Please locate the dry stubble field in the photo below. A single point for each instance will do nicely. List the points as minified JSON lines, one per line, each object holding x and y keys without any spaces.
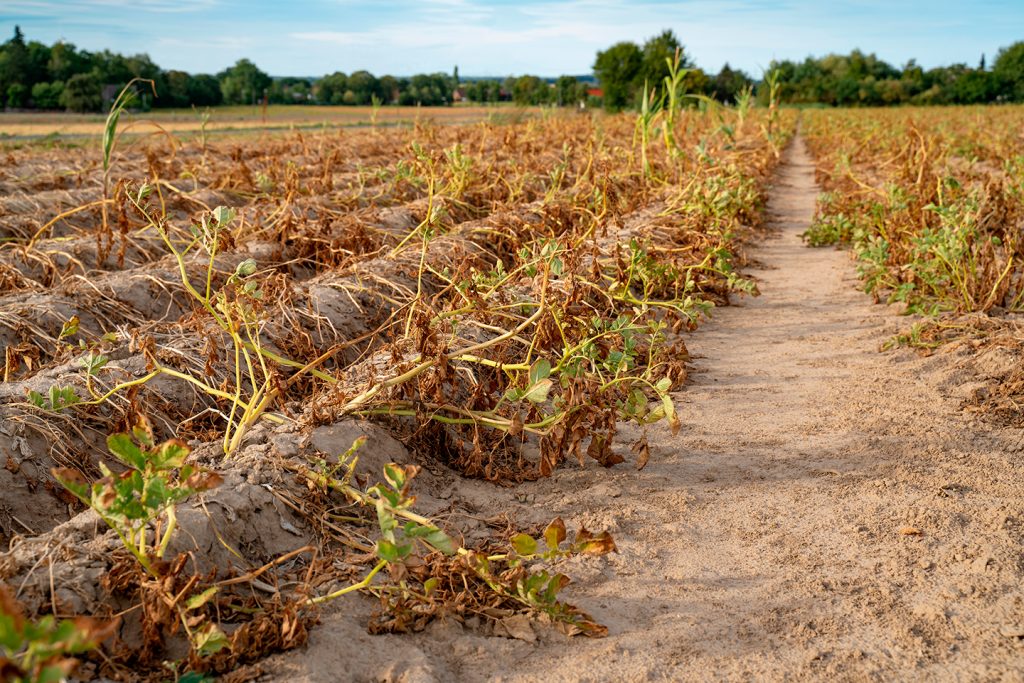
{"x":220,"y":345}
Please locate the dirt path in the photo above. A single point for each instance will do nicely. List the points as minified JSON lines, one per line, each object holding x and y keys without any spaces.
{"x":826,"y":511}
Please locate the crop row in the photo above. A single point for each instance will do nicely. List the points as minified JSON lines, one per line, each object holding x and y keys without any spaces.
{"x":931,"y":201}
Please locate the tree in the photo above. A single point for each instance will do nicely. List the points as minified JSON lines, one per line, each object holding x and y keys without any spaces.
{"x":1008,"y":69}
{"x":567,"y":91}
{"x":175,"y":90}
{"x":364,"y":86}
{"x":331,"y":89}
{"x":657,"y":52}
{"x":82,"y":93}
{"x":530,"y":90}
{"x":47,"y":95}
{"x":729,"y":83}
{"x":14,"y":65}
{"x":389,"y":89}
{"x":66,"y":61}
{"x":243,"y":83}
{"x":204,"y":91}
{"x":17,"y":95}
{"x":617,"y":69}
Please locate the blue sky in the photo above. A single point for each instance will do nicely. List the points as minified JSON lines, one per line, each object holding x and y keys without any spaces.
{"x":502,"y":37}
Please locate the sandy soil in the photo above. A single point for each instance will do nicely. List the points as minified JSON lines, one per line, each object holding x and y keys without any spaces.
{"x":827,"y":511}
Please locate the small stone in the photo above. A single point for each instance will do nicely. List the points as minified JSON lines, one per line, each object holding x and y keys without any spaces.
{"x":1012,"y":630}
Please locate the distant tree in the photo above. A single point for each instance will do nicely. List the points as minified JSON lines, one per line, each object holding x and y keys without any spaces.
{"x":1008,"y":69}
{"x":175,"y":92}
{"x":66,"y":61}
{"x":289,"y":90}
{"x":204,"y":91}
{"x":331,"y":88}
{"x":14,"y":66}
{"x":389,"y":90}
{"x":47,"y":95}
{"x":17,"y":95}
{"x":656,"y":53}
{"x":567,"y":91}
{"x":82,"y":93}
{"x":243,"y":83}
{"x":488,"y":90}
{"x":428,"y":90}
{"x":37,"y":63}
{"x":363,"y":86}
{"x":530,"y":90}
{"x":617,"y":69}
{"x":729,"y":83}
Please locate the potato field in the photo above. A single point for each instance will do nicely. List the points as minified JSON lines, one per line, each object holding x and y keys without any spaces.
{"x":225,"y":360}
{"x":700,"y":391}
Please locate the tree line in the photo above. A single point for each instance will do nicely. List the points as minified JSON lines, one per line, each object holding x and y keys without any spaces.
{"x":856,"y":79}
{"x":60,"y":76}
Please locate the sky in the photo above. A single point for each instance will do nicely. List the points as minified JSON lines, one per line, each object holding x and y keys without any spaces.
{"x":511,"y":37}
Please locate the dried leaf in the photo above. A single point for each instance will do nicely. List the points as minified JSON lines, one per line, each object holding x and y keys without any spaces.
{"x":642,"y":450}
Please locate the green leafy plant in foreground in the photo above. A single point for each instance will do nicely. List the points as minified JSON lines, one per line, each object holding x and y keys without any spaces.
{"x":420,"y":588}
{"x":146,"y":493}
{"x":43,"y":651}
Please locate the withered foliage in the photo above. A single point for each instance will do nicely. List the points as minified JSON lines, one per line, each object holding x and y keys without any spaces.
{"x":501,"y":298}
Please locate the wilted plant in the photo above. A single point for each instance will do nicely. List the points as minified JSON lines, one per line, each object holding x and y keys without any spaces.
{"x":43,"y":651}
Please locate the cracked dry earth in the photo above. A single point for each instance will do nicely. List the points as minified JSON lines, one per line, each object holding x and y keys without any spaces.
{"x":826,"y":512}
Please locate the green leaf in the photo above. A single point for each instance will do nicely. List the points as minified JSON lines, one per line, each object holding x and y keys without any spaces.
{"x":670,"y":413}
{"x":73,"y":481}
{"x":170,"y":454}
{"x":441,"y":541}
{"x":122,"y":446}
{"x":541,"y":369}
{"x":69,"y":328}
{"x":430,"y":585}
{"x":524,"y":544}
{"x":246,"y":268}
{"x":197,"y":601}
{"x":513,"y":394}
{"x":210,"y":640}
{"x":53,"y":673}
{"x":385,"y":519}
{"x":392,"y":552}
{"x":538,"y":393}
{"x":142,"y":430}
{"x":663,"y":385}
{"x":195,"y":677}
{"x":395,"y":476}
{"x":223,"y":215}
